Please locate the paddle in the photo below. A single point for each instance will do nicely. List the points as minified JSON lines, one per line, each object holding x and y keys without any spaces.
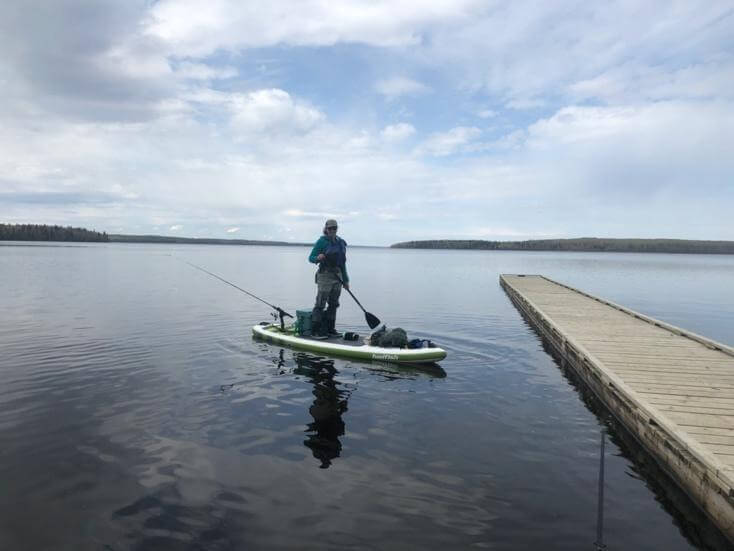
{"x":371,"y":319}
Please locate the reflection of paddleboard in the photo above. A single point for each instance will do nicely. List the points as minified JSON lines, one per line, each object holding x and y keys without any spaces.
{"x":347,"y":349}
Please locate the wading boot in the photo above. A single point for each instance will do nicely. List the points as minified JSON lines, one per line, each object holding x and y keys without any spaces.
{"x":319,"y":326}
{"x":321,"y":333}
{"x":333,"y":333}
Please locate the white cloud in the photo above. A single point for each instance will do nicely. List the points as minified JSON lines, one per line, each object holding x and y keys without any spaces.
{"x":499,"y":233}
{"x":387,"y":216}
{"x":296,"y":213}
{"x":523,"y":104}
{"x":272,"y":110}
{"x":582,"y":125}
{"x":487,"y":114}
{"x":202,"y":71}
{"x":229,"y":24}
{"x":232,"y":230}
{"x":400,"y":86}
{"x":446,"y":143}
{"x":523,"y":56}
{"x":668,"y":133}
{"x":176,"y":227}
{"x":397,"y":132}
{"x":634,"y":83}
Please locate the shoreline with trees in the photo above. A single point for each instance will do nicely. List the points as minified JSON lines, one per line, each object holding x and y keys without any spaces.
{"x":583,"y":244}
{"x":43,"y":232}
{"x":120,"y":238}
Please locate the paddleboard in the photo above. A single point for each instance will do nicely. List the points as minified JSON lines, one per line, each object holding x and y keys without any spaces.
{"x":337,"y":346}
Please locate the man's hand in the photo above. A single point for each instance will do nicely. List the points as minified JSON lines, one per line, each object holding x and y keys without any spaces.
{"x":321,"y":257}
{"x":346,"y":286}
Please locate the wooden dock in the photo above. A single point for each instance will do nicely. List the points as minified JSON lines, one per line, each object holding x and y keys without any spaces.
{"x":672,"y":389}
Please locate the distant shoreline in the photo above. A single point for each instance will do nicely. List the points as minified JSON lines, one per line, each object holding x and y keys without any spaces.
{"x":40,"y":232}
{"x":120,"y":238}
{"x":45,"y":232}
{"x":583,"y":244}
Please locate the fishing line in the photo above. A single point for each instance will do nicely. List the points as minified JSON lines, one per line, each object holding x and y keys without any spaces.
{"x":280,"y":311}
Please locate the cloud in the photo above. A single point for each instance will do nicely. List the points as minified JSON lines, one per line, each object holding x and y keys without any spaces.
{"x":233,"y":25}
{"x":676,"y":131}
{"x":176,"y":227}
{"x":59,"y":198}
{"x":500,"y":233}
{"x":232,"y":230}
{"x":486,"y":114}
{"x":397,"y":132}
{"x":387,"y":216}
{"x":272,"y":110}
{"x":447,"y":143}
{"x":523,"y":104}
{"x":202,"y":71}
{"x":586,"y":125}
{"x":400,"y":86}
{"x":523,"y":57}
{"x":631,"y":82}
{"x":296,"y":213}
{"x":81,"y":60}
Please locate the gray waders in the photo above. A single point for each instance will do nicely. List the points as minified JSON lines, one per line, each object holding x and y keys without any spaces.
{"x":323,"y":323}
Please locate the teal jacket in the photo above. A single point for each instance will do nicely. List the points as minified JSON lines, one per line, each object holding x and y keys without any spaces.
{"x":321,"y":246}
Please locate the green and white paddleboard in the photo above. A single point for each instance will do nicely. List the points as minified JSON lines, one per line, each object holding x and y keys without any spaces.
{"x":358,"y":350}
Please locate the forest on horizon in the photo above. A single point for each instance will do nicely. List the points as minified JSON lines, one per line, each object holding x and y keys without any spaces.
{"x":43,"y":232}
{"x":583,"y":244}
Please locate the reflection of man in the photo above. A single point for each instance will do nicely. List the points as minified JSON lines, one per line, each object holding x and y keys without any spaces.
{"x":327,"y":408}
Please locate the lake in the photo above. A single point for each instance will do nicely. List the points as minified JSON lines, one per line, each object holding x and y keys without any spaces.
{"x":137,"y":412}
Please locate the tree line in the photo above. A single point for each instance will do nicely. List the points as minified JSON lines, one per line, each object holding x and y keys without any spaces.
{"x":121,"y":238}
{"x":42,"y":232}
{"x":584,"y":244}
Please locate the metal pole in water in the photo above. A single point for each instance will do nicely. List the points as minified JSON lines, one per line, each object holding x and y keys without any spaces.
{"x":599,"y":543}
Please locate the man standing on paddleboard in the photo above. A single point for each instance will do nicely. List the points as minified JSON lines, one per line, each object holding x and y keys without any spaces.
{"x":330,"y":253}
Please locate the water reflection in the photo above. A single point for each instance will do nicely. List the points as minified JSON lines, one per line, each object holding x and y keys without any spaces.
{"x":330,"y":402}
{"x":331,"y":397}
{"x":395,"y":372}
{"x":599,"y":543}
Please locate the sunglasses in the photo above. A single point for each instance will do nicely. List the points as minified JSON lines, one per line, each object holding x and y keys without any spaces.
{"x":331,"y":228}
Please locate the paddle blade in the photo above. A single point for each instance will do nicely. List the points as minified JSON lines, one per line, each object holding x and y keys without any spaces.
{"x":372,"y":320}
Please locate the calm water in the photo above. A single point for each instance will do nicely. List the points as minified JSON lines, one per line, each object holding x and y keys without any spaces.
{"x":136,"y":411}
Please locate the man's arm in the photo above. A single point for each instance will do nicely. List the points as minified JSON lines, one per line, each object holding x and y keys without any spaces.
{"x":318,"y":248}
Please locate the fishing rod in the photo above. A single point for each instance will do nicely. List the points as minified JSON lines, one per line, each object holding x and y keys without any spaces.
{"x":278,"y":309}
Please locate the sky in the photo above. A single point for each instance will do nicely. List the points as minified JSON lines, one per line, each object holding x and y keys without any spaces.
{"x":405,"y":120}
